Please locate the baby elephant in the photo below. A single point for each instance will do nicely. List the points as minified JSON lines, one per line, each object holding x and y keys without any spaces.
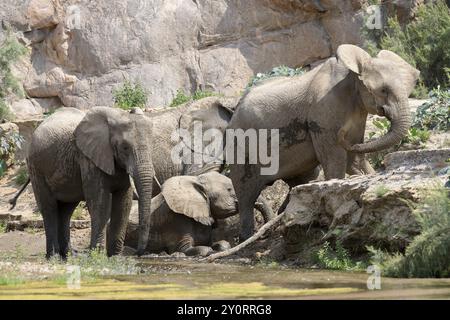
{"x":185,"y":210}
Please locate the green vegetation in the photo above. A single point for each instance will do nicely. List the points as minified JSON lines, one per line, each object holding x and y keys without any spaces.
{"x":280,"y":71}
{"x":78,"y":213}
{"x":9,"y":143}
{"x":336,"y":258}
{"x":130,"y":95}
{"x":415,"y":137}
{"x":381,"y":190}
{"x":96,"y":263}
{"x":10,"y":52}
{"x":424,"y":43}
{"x":428,"y":255}
{"x":181,"y":97}
{"x":2,"y":226}
{"x":434,"y":114}
{"x":21,"y":176}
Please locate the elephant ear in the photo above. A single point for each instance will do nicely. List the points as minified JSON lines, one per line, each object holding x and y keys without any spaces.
{"x":92,"y":137}
{"x":185,"y":195}
{"x":352,"y":57}
{"x":406,"y":72}
{"x":214,"y":114}
{"x":209,"y":113}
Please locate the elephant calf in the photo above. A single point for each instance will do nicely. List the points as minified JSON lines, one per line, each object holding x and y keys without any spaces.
{"x":185,"y":210}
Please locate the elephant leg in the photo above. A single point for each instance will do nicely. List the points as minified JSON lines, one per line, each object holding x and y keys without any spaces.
{"x":331,"y":156}
{"x":264,"y":207}
{"x":65,"y":211}
{"x":221,"y":245}
{"x":302,"y":179}
{"x":357,"y":164}
{"x":98,"y":200}
{"x":120,"y":211}
{"x":48,"y":206}
{"x":248,"y":185}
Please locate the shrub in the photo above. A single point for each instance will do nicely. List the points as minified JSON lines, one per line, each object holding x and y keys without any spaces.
{"x":280,"y":71}
{"x":21,"y":176}
{"x":434,"y":114}
{"x":428,"y":255}
{"x":181,"y":97}
{"x":381,"y":190}
{"x":130,"y":95}
{"x":415,"y":137}
{"x":424,"y":43}
{"x":337,"y":258}
{"x":2,"y":226}
{"x":97,"y":263}
{"x":10,"y":52}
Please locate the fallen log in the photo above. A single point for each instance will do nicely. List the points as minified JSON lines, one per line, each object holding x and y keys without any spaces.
{"x":244,"y":244}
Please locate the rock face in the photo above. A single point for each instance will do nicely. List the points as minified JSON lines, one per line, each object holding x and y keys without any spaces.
{"x":364,"y":210}
{"x":82,"y":49}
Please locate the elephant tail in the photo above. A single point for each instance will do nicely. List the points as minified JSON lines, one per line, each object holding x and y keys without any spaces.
{"x":13,"y":201}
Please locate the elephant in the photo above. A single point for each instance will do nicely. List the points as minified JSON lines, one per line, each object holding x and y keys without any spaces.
{"x":184,"y":212}
{"x":211,"y":112}
{"x":320,"y":117}
{"x":89,"y":156}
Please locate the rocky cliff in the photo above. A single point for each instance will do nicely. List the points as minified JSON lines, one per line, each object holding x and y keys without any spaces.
{"x":80,"y":50}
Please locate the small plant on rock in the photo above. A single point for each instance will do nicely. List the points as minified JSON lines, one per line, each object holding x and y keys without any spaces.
{"x":280,"y":71}
{"x":181,"y":97}
{"x":130,"y":95}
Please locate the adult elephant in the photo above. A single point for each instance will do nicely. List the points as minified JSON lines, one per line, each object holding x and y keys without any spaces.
{"x":212,"y":113}
{"x":75,"y":156}
{"x":321,"y":119}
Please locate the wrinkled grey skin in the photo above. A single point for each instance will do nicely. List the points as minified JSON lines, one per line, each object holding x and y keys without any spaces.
{"x":321,"y":117}
{"x":184,"y":212}
{"x":76,"y":156}
{"x":212,"y":112}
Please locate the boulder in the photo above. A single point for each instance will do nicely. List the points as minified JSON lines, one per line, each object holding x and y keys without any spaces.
{"x":83,"y":50}
{"x":364,"y":210}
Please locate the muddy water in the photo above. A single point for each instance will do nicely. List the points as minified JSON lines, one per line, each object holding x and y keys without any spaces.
{"x":193,"y":280}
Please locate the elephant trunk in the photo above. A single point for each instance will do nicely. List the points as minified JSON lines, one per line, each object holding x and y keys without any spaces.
{"x":399,"y":114}
{"x":143,"y":175}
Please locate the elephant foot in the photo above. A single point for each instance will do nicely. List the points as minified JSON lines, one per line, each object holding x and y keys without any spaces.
{"x":244,"y":236}
{"x":199,"y":251}
{"x":221,"y":245}
{"x":178,"y":255}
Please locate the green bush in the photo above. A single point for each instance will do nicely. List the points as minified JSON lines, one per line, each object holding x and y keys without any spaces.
{"x":336,"y":258}
{"x":428,"y":255}
{"x":424,"y":43}
{"x":415,"y":138}
{"x":10,"y":52}
{"x":434,"y":114}
{"x":280,"y":71}
{"x":21,"y":176}
{"x":181,"y":97}
{"x":130,"y":95}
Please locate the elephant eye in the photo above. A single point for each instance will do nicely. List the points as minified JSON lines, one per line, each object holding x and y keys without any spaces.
{"x":384,"y":91}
